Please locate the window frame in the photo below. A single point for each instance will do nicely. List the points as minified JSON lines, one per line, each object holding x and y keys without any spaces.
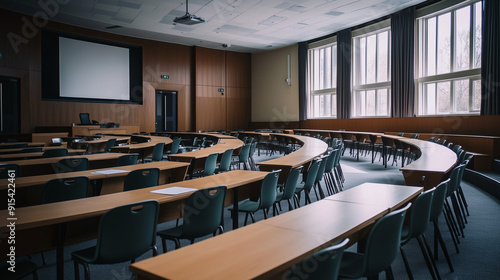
{"x":422,"y":52}
{"x":332,"y":91}
{"x":357,"y":87}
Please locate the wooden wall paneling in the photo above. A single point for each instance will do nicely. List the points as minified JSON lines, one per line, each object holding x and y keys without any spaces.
{"x":238,"y":69}
{"x":238,"y":108}
{"x":210,"y":67}
{"x":210,"y":108}
{"x":210,"y":77}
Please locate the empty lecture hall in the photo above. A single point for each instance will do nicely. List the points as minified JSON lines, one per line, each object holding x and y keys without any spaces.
{"x":235,"y":140}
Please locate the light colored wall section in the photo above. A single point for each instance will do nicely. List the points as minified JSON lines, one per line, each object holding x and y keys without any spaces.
{"x":273,"y":100}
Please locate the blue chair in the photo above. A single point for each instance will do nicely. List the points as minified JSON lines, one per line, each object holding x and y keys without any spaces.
{"x":141,"y":178}
{"x":322,"y":265}
{"x":266,"y":199}
{"x":308,"y":184}
{"x":157,"y":153}
{"x":128,"y":159}
{"x":59,"y":152}
{"x":199,"y":219}
{"x":71,"y":165}
{"x":292,"y":180}
{"x":381,"y":249}
{"x":415,"y":228}
{"x":125,"y":233}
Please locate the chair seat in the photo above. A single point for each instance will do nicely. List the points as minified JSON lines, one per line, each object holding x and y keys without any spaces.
{"x":87,"y":255}
{"x":405,"y":234}
{"x":349,"y":266}
{"x":300,"y":187}
{"x":248,"y":206}
{"x":175,"y":232}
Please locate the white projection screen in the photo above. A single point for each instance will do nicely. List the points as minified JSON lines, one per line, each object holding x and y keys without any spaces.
{"x":93,"y":71}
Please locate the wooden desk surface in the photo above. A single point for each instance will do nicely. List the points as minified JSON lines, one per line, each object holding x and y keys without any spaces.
{"x":21,"y":156}
{"x":49,"y":214}
{"x":30,"y":144}
{"x":266,"y":249}
{"x":386,"y":195}
{"x":39,"y":166}
{"x":221,"y":147}
{"x":17,"y":150}
{"x":111,"y":182}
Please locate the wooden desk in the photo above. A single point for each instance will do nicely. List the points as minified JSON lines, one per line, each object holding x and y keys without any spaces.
{"x":98,"y":145}
{"x":40,"y":166}
{"x":29,"y":189}
{"x":197,"y":158}
{"x":64,"y":223}
{"x":17,"y":150}
{"x":389,"y":196}
{"x":30,"y":144}
{"x":21,"y":156}
{"x":435,"y":162}
{"x":143,"y":149}
{"x":311,"y":148}
{"x":266,"y":249}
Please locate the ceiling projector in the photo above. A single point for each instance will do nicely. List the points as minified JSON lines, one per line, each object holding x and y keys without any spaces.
{"x":189,"y":19}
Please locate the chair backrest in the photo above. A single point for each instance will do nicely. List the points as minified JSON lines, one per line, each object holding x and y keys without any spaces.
{"x":71,"y":165}
{"x":330,"y":161}
{"x":31,"y":150}
{"x":268,"y":189}
{"x":244,"y":153}
{"x":6,"y":167}
{"x":63,"y":189}
{"x":175,"y":146}
{"x":419,"y":215}
{"x":456,"y":148}
{"x":311,"y":174}
{"x":253,"y":145}
{"x":383,"y":242}
{"x":141,"y":178}
{"x":158,"y":151}
{"x":415,"y":136}
{"x":111,"y":143}
{"x":321,"y":265}
{"x":292,"y":180}
{"x":401,"y":134}
{"x":126,"y":232}
{"x":210,"y":164}
{"x":203,"y":212}
{"x":321,"y":170}
{"x":438,"y":199}
{"x":85,"y":118}
{"x":225,"y":160}
{"x":60,"y":152}
{"x":128,"y":159}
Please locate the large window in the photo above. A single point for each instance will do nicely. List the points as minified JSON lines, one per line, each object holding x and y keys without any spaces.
{"x":449,"y":62}
{"x":371,"y":74}
{"x":323,"y":81}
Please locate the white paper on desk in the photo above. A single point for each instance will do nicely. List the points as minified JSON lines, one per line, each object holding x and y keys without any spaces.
{"x":174,"y":190}
{"x":109,"y":171}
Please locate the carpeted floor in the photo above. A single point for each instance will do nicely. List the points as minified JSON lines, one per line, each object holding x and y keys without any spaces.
{"x":479,"y":256}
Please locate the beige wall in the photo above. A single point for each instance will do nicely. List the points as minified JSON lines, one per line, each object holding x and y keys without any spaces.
{"x":273,"y":100}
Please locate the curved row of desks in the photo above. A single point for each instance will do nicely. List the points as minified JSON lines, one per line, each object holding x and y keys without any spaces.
{"x":435,"y":161}
{"x":68,"y":222}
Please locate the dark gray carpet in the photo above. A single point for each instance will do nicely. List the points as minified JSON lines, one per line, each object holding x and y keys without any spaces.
{"x":479,"y":256}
